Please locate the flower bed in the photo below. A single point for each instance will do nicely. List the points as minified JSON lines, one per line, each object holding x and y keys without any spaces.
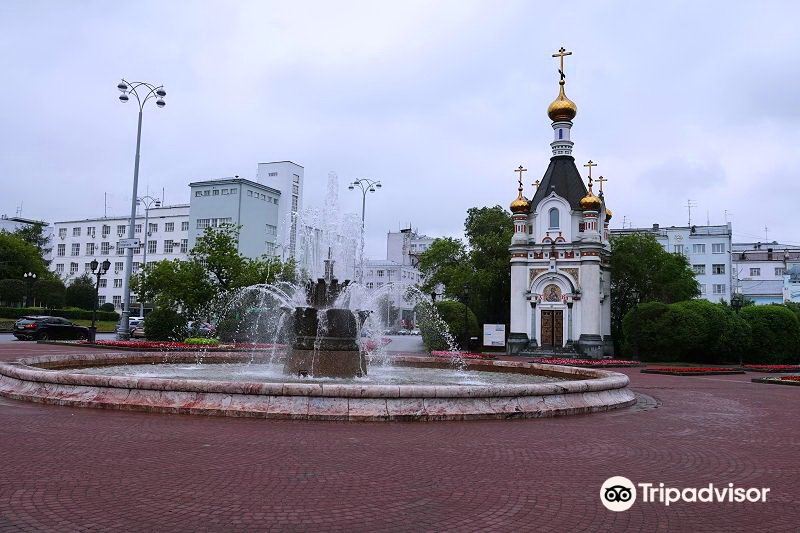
{"x":462,"y":355}
{"x":586,"y":363}
{"x":693,"y":370}
{"x":371,"y":345}
{"x":772,"y":368}
{"x":174,"y":346}
{"x":782,"y":380}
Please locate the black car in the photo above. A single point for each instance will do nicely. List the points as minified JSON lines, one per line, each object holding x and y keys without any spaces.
{"x":42,"y":328}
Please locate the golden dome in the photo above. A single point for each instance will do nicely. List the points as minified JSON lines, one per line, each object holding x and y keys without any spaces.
{"x":590,"y":202}
{"x":609,"y":214}
{"x":521,"y":204}
{"x":562,"y":109}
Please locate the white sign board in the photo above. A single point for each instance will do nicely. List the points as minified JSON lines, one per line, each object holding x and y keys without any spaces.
{"x":494,"y":334}
{"x":128,"y":243}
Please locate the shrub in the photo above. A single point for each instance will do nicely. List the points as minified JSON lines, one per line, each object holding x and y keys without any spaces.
{"x":73,"y":314}
{"x":80,"y":293}
{"x":201,"y":341}
{"x":165,"y":325}
{"x":108,"y":307}
{"x":50,"y":293}
{"x":775,"y":333}
{"x":443,"y":322}
{"x":12,"y":291}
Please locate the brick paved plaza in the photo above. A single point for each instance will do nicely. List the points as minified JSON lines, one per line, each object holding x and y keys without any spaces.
{"x":67,"y":468}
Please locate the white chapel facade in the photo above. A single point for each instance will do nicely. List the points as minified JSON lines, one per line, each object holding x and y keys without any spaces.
{"x":560,"y":277}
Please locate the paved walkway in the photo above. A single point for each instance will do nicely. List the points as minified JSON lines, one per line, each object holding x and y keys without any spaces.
{"x":66,"y":469}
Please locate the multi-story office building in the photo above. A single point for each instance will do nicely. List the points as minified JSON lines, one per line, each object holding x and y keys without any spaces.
{"x":761,"y":271}
{"x":12,"y":224}
{"x":394,"y":279}
{"x":404,"y":246}
{"x":253,"y":206}
{"x":288,"y":178}
{"x":708,"y":249}
{"x":75,"y":243}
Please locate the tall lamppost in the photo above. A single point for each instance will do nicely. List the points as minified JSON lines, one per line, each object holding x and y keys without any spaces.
{"x":466,"y":318}
{"x":737,"y":302}
{"x":147,"y":202}
{"x":98,"y":270}
{"x":636,"y":297}
{"x":148,"y":91}
{"x":30,"y":277}
{"x":366,"y":185}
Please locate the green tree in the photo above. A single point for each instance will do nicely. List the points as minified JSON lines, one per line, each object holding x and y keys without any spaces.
{"x":642,"y":271}
{"x":176,"y":285}
{"x":442,"y":324}
{"x":34,"y":234}
{"x":18,"y":257}
{"x":49,"y":293}
{"x":775,"y":333}
{"x":475,"y":272}
{"x":165,"y":325}
{"x":12,"y":291}
{"x":80,"y":293}
{"x":386,"y":308}
{"x":217,"y":249}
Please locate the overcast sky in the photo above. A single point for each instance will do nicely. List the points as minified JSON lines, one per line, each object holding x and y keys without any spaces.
{"x":439,"y":100}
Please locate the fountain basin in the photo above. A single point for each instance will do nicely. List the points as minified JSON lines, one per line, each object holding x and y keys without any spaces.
{"x":51,"y":379}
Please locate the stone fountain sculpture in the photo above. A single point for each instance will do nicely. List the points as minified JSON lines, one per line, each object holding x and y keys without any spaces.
{"x":326,"y":338}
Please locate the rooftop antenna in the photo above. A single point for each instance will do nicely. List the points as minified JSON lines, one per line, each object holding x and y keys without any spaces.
{"x":708,"y":218}
{"x":624,"y":220}
{"x":689,"y":205}
{"x":105,"y":205}
{"x":162,"y":196}
{"x":19,"y":209}
{"x":727,"y":216}
{"x":766,"y":234}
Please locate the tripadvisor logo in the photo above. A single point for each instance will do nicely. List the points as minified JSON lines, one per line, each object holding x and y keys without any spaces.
{"x":619,"y":494}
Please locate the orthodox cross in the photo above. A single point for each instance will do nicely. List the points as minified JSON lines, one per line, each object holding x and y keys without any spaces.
{"x":520,"y":170}
{"x":590,"y":164}
{"x":536,"y":184}
{"x":601,"y":180}
{"x":560,"y":55}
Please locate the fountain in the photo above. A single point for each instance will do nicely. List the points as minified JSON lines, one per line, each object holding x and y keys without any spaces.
{"x":325,"y":337}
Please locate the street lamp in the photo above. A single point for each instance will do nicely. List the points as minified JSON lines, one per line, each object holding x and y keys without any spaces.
{"x":636,"y":296}
{"x":466,"y":319}
{"x":737,"y":302}
{"x":30,"y":277}
{"x":366,"y":185}
{"x":158,"y":93}
{"x":98,"y":270}
{"x":147,"y":202}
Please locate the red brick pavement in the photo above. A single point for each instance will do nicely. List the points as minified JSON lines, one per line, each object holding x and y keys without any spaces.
{"x":67,"y":469}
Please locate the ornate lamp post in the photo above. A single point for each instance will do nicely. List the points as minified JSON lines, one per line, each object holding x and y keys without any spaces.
{"x":147,"y":91}
{"x":147,"y":202}
{"x":30,"y":277}
{"x":636,"y":297}
{"x":737,"y":302}
{"x":366,"y":185}
{"x":98,"y":270}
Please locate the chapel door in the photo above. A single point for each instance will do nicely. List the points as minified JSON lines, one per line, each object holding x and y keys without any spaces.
{"x":552,"y":333}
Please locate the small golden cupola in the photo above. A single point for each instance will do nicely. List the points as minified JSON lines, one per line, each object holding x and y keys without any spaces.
{"x":561,"y":112}
{"x":562,"y":109}
{"x":609,"y":214}
{"x":520,"y":204}
{"x":590,"y":202}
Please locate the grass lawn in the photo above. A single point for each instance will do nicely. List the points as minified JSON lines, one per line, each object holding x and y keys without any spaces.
{"x":103,"y":326}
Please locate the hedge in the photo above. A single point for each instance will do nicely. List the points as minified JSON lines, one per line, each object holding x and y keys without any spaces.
{"x":75,"y":314}
{"x":442,"y":324}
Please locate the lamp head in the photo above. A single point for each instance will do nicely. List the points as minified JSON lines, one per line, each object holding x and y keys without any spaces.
{"x":122,"y":86}
{"x":94,"y":264}
{"x":106,"y":265}
{"x":378,"y":185}
{"x":160,"y":102}
{"x":161,"y":92}
{"x":350,"y":187}
{"x":123,"y":98}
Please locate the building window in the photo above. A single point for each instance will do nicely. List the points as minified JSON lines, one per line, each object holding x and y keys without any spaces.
{"x":294,"y":202}
{"x":719,"y":288}
{"x":273,"y":174}
{"x":136,"y":265}
{"x":698,"y":248}
{"x":780,"y":271}
{"x":117,"y":301}
{"x":203,"y":223}
{"x":755,"y":271}
{"x":554,"y":222}
{"x":198,"y":194}
{"x":380,"y":284}
{"x":295,"y":189}
{"x":272,"y":230}
{"x":234,"y":191}
{"x":224,"y":192}
{"x":215,"y":192}
{"x":76,"y":232}
{"x":169,"y":226}
{"x":62,"y":232}
{"x":62,"y":250}
{"x":702,"y":288}
{"x":103,"y":283}
{"x":120,"y":249}
{"x":152,"y":228}
{"x":151,"y":247}
{"x":718,"y":248}
{"x":717,"y":269}
{"x":87,"y":267}
{"x":370,"y":285}
{"x":699,"y":270}
{"x":295,"y":178}
{"x":249,"y":192}
{"x":677,"y":249}
{"x":118,"y":266}
{"x":168,"y":246}
{"x":206,"y":192}
{"x":184,"y":246}
{"x":59,"y":268}
{"x":73,"y":268}
{"x":120,"y":230}
{"x":90,"y":232}
{"x":101,"y":299}
{"x":185,"y":226}
{"x":137,"y":228}
{"x":106,"y":230}
{"x":380,"y":273}
{"x":117,"y":283}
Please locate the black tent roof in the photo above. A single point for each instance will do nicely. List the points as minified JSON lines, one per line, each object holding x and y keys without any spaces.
{"x":563,"y":178}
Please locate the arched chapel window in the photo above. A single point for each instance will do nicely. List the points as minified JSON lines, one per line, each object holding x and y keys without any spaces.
{"x":554,"y":218}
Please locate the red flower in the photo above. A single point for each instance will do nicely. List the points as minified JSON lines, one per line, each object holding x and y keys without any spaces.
{"x":568,"y":361}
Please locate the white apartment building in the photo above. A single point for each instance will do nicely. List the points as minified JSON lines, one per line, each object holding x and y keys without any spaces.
{"x":287,"y":177}
{"x":75,"y":243}
{"x":253,"y":206}
{"x":761,"y":271}
{"x":12,"y":224}
{"x":708,"y":249}
{"x":404,"y":246}
{"x":379,"y":273}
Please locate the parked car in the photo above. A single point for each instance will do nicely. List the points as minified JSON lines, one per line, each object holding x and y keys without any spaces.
{"x":201,"y":329}
{"x":136,"y":327}
{"x":42,"y":328}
